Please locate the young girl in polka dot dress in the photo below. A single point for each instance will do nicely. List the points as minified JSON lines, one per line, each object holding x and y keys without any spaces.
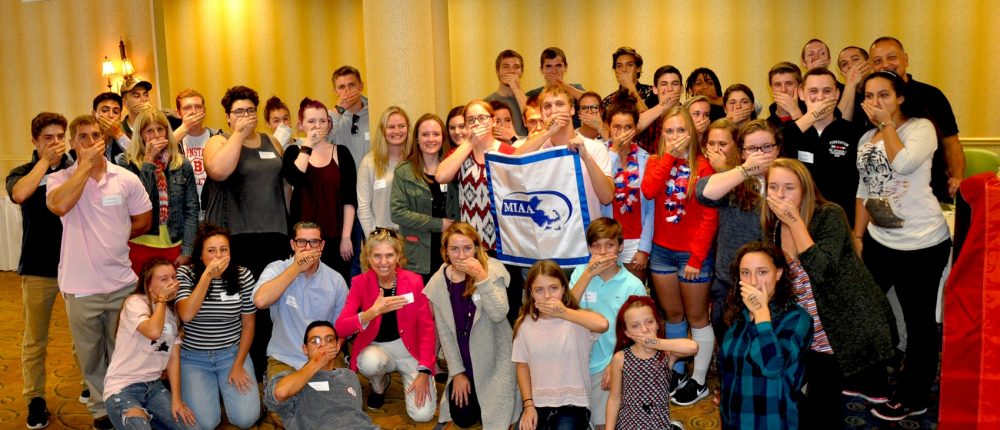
{"x":640,"y":369}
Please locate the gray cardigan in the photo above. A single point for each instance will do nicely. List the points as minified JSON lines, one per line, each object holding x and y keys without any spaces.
{"x":853,"y":309}
{"x":490,"y":344}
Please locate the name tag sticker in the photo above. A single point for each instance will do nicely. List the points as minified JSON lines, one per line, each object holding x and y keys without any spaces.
{"x":806,"y":157}
{"x":292,"y":302}
{"x":444,"y":188}
{"x":229,"y":298}
{"x":267,"y":155}
{"x":320,"y":385}
{"x":368,"y":136}
{"x":45,"y":180}
{"x":380,"y":184}
{"x":408,"y":297}
{"x":590,"y":296}
{"x":475,"y":297}
{"x":115,"y":200}
{"x":168,"y":329}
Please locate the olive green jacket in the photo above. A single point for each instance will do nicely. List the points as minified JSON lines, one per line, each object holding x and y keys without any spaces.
{"x":410,"y":206}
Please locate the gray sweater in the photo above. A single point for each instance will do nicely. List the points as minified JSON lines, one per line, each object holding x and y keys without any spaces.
{"x":736,"y":228}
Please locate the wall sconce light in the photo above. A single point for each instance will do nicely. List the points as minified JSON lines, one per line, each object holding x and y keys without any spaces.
{"x":107,"y":70}
{"x":127,"y":68}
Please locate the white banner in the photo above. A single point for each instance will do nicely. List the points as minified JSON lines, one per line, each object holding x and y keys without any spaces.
{"x":539,"y":207}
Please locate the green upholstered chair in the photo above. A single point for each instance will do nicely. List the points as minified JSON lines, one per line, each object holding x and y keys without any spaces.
{"x":980,"y":160}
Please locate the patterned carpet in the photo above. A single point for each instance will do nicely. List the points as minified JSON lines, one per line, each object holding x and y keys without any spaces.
{"x":63,"y":385}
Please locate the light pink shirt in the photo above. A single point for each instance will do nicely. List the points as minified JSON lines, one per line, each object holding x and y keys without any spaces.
{"x":94,"y":254}
{"x":557,"y":353}
{"x":136,"y":358}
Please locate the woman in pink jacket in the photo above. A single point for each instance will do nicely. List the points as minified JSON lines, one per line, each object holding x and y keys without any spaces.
{"x":390,"y":315}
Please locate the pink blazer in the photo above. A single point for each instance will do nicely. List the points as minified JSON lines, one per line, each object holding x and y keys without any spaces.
{"x":415,"y":320}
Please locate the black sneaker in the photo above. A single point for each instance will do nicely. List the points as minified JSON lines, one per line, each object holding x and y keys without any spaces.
{"x":376,"y":400}
{"x":690,"y":393}
{"x":38,"y":414}
{"x":103,"y":423}
{"x":677,"y":380}
{"x":895,"y":411}
{"x":84,"y":396}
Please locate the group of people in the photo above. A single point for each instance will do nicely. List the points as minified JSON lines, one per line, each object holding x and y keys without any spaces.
{"x":237,"y":256}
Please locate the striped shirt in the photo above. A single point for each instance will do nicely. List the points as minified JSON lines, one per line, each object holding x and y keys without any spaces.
{"x":802,"y":288}
{"x":762,"y":370}
{"x":217,"y":324}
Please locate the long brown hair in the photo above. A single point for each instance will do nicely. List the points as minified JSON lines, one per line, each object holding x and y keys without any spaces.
{"x":142,"y":286}
{"x":416,"y":156}
{"x":467,"y":230}
{"x":811,"y":197}
{"x":543,"y":268}
{"x":783,"y":298}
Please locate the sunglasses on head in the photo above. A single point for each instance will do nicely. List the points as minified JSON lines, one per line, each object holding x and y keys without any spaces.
{"x":354,"y":123}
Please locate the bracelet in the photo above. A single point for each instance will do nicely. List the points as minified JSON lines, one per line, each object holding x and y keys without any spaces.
{"x":882,"y":124}
{"x":527,"y":400}
{"x":306,"y":150}
{"x":743,"y":171}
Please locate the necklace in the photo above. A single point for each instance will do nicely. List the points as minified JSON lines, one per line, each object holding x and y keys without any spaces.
{"x":392,"y":291}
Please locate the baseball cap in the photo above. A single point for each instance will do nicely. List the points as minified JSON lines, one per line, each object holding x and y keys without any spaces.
{"x":133,"y":82}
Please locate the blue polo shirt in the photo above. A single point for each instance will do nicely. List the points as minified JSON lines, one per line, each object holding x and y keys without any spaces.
{"x":606,"y":298}
{"x":309,"y":298}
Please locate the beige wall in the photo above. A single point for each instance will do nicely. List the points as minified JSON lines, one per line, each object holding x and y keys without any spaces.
{"x":431,"y":54}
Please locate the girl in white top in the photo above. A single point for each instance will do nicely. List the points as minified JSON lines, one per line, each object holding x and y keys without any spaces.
{"x":392,"y":144}
{"x":902,"y":236}
{"x":146,"y":344}
{"x":552,"y":342}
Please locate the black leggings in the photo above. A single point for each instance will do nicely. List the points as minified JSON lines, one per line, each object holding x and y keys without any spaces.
{"x":916,"y":276}
{"x":468,"y":415}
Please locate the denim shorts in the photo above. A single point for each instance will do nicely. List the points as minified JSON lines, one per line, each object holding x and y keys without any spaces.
{"x":663,"y":261}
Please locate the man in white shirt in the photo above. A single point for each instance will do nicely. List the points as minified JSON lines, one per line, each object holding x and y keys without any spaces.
{"x":192,"y":134}
{"x":557,"y":113}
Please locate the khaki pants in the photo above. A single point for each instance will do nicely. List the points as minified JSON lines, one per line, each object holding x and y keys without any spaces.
{"x":38,"y":294}
{"x":93,"y":320}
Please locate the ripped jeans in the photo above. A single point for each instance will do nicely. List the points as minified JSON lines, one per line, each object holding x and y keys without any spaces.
{"x":152,"y":397}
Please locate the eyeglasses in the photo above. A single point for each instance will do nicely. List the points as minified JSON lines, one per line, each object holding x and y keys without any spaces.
{"x":766,"y":148}
{"x":301,"y":243}
{"x":322,"y":340}
{"x":245,"y":112}
{"x":590,"y":108}
{"x":354,"y":123}
{"x":382,"y":233}
{"x":469,"y":120}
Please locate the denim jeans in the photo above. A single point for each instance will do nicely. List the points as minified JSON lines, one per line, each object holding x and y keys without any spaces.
{"x":205,"y":374}
{"x":563,"y":418}
{"x":152,"y":397}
